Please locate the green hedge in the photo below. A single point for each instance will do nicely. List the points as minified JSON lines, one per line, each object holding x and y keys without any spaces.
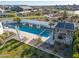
{"x":76,"y":45}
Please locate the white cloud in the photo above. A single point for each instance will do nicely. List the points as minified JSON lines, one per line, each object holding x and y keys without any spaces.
{"x":40,"y":2}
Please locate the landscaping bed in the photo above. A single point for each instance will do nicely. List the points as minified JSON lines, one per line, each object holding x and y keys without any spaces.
{"x":4,"y":36}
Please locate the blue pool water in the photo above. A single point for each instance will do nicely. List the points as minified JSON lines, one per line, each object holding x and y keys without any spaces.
{"x":33,"y":30}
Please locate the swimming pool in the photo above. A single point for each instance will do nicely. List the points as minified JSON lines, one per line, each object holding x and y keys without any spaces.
{"x":30,"y":29}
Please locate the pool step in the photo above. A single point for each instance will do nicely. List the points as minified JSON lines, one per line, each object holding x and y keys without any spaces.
{"x":42,"y":32}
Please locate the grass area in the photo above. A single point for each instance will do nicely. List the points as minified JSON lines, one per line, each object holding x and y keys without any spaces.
{"x":36,"y":17}
{"x":7,"y":16}
{"x":28,"y":17}
{"x":16,"y":49}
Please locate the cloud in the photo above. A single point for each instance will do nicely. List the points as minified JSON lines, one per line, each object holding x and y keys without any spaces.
{"x":58,"y":2}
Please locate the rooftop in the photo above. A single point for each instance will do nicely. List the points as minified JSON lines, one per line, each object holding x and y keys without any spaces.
{"x":65,"y":25}
{"x":26,"y":7}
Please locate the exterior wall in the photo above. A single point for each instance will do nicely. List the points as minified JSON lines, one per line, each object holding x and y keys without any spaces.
{"x":68,"y":36}
{"x":51,"y":39}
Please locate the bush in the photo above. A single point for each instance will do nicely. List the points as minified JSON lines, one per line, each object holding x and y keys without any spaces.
{"x":76,"y":45}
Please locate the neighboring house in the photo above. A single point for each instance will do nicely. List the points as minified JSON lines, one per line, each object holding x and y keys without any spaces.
{"x":1,"y":10}
{"x":5,"y":8}
{"x":16,"y":8}
{"x":26,"y":8}
{"x":1,"y":28}
{"x":64,"y":33}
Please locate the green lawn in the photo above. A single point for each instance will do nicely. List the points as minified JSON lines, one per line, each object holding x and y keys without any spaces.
{"x":28,"y":17}
{"x":36,"y":17}
{"x":16,"y":49}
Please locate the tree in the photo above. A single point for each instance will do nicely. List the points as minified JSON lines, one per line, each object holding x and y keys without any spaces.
{"x":76,"y":45}
{"x":38,"y":40}
{"x":73,"y":18}
{"x":50,"y":22}
{"x":18,"y":20}
{"x":60,"y":18}
{"x":76,"y":55}
{"x":64,"y":14}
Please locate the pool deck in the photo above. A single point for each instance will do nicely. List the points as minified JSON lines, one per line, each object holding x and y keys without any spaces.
{"x":26,"y":34}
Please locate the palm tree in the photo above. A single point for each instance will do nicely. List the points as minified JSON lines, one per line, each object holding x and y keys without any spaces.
{"x":60,"y":19}
{"x":50,"y":22}
{"x":73,"y":18}
{"x":76,"y":16}
{"x":18,"y":20}
{"x":38,"y":40}
{"x":64,"y":14}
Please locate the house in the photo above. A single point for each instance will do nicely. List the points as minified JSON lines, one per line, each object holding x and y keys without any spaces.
{"x":26,"y":8}
{"x":5,"y":8}
{"x":64,"y":32}
{"x":1,"y":10}
{"x":1,"y":28}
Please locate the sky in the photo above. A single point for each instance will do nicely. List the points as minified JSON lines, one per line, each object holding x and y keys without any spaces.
{"x":39,"y":2}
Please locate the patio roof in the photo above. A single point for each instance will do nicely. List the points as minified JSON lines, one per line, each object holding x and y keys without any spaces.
{"x":65,"y":25}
